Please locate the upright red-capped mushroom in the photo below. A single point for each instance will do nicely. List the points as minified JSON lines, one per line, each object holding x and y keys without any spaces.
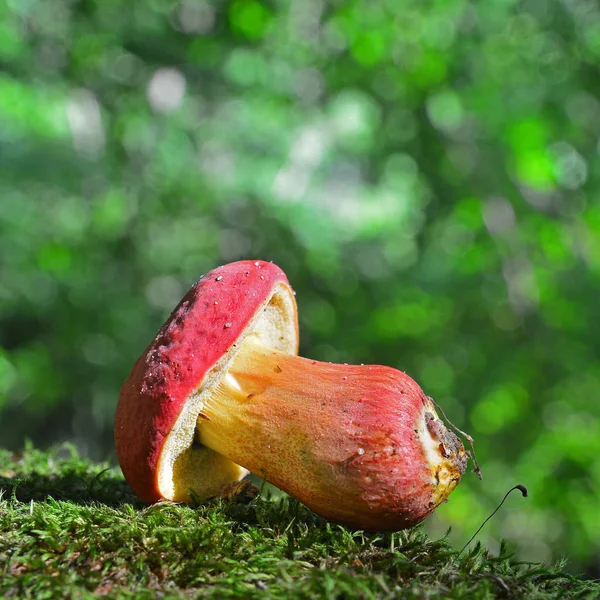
{"x":220,"y":391}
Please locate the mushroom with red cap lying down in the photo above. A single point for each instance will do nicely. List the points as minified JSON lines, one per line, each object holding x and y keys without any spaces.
{"x":220,"y":392}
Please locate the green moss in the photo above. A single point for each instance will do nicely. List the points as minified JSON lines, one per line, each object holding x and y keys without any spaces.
{"x":70,"y":528}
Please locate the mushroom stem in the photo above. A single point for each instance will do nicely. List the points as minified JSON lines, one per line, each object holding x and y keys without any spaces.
{"x":356,"y":444}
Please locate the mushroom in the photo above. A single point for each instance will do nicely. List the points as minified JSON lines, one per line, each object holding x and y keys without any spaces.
{"x":221,"y":391}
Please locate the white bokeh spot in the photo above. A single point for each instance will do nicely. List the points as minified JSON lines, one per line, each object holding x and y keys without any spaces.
{"x":166,"y":90}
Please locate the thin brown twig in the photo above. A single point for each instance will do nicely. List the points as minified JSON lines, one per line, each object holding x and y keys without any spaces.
{"x":476,"y":467}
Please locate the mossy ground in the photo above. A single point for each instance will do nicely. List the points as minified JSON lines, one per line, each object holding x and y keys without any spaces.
{"x":71,"y":528}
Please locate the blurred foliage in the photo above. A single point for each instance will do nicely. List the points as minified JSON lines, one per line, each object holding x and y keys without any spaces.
{"x":426,"y":173}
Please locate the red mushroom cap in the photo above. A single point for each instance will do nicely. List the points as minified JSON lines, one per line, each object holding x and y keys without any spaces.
{"x":161,"y":399}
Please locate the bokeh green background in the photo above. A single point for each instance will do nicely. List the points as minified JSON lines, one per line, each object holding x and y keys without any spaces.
{"x":427,"y":174}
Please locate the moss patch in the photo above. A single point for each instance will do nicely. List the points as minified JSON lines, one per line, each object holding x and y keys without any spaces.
{"x":71,"y":528}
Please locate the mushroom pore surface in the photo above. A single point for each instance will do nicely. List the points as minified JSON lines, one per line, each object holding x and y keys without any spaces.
{"x":187,"y":467}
